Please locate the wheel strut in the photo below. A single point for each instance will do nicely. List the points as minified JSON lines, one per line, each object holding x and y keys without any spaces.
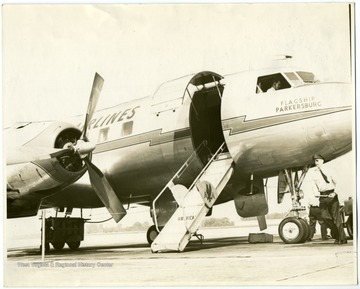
{"x":293,"y":229}
{"x":294,"y":186}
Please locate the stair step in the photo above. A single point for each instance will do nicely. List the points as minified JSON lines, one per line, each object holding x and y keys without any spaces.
{"x":194,"y":206}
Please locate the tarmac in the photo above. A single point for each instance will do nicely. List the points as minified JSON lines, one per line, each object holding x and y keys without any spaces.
{"x":223,"y":259}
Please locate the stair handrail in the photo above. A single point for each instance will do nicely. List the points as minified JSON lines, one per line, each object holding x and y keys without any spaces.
{"x":220,"y":150}
{"x":216,"y":154}
{"x":177,"y":175}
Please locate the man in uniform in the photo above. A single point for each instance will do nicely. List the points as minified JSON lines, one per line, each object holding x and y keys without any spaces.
{"x":324,"y":189}
{"x":315,"y":215}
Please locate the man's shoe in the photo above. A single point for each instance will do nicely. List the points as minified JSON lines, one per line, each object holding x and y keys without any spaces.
{"x":336,"y":242}
{"x":342,"y":242}
{"x":326,"y":238}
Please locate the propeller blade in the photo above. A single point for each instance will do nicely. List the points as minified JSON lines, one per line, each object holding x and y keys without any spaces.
{"x":61,"y":152}
{"x":105,"y":192}
{"x":94,"y":97}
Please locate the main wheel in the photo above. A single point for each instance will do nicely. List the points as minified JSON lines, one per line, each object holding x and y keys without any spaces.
{"x":306,"y":230}
{"x":349,"y":226}
{"x":151,"y":234}
{"x":58,"y":245}
{"x":292,"y":230}
{"x":74,"y":245}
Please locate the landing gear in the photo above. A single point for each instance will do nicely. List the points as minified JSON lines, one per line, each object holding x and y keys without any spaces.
{"x":58,"y":245}
{"x":306,"y":230}
{"x":73,"y":245}
{"x":151,"y":234}
{"x":293,"y":229}
{"x":61,"y":231}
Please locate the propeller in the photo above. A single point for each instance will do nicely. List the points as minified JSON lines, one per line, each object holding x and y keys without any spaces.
{"x":94,"y":97}
{"x":83,"y":148}
{"x":105,"y":192}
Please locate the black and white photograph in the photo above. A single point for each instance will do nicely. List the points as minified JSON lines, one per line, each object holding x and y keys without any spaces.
{"x":179,"y":144}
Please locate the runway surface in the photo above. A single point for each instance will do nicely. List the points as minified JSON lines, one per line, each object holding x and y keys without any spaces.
{"x":125,"y":259}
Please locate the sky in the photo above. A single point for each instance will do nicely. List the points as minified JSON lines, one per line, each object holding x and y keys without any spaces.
{"x":51,"y":52}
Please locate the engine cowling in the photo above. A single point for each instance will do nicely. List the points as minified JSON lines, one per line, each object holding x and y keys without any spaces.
{"x":42,"y":164}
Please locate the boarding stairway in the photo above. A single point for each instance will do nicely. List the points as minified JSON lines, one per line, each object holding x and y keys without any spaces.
{"x":194,"y":203}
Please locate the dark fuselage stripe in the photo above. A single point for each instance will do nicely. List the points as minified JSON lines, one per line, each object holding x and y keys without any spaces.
{"x":239,"y":124}
{"x":235,"y":125}
{"x":155,"y":137}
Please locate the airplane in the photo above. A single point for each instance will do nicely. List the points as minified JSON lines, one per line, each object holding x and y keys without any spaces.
{"x":198,"y":141}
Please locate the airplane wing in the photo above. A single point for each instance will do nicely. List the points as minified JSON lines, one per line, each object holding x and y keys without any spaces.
{"x":82,"y":195}
{"x":77,"y":195}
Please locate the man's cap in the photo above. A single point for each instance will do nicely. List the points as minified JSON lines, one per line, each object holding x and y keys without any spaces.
{"x":318,"y":156}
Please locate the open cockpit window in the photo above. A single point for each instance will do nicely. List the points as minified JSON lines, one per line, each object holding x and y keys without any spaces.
{"x":271,"y":82}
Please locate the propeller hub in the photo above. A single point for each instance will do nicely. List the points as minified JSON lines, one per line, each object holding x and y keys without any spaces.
{"x":84,"y":148}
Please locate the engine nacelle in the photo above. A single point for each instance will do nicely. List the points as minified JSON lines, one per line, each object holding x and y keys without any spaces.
{"x":251,"y":201}
{"x":40,"y":165}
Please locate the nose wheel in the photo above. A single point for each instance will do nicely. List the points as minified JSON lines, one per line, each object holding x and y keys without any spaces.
{"x":293,"y":229}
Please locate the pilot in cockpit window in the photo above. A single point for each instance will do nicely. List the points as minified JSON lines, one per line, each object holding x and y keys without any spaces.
{"x":273,"y":82}
{"x":275,"y":86}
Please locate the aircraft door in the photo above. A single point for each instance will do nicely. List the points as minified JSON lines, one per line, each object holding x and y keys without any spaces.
{"x":205,"y":114}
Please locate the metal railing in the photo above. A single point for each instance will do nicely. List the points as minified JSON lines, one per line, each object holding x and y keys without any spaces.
{"x":177,"y":175}
{"x":219,"y":151}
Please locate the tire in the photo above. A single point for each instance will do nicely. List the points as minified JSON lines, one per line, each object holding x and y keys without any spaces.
{"x":151,"y":234}
{"x":306,"y":230}
{"x":58,"y":245}
{"x":74,"y":245}
{"x":349,"y":226}
{"x":292,"y":230}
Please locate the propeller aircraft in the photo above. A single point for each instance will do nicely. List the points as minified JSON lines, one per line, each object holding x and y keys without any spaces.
{"x":200,"y":140}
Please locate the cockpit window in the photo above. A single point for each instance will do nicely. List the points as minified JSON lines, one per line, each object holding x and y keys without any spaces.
{"x":300,"y":77}
{"x":307,"y":77}
{"x":271,"y":82}
{"x":294,"y":78}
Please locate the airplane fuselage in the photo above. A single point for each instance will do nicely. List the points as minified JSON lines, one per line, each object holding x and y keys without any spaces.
{"x":141,"y":144}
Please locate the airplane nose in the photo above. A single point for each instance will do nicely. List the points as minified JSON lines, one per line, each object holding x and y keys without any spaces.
{"x":338,"y":124}
{"x":286,"y":127}
{"x":333,"y":131}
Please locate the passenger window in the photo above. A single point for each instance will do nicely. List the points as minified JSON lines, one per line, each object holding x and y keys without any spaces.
{"x":103,"y":134}
{"x":271,"y":82}
{"x":127,"y":128}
